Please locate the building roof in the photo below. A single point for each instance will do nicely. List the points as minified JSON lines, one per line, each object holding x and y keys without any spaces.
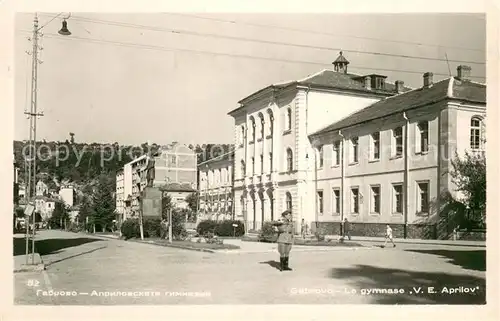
{"x":451,"y":88}
{"x":329,"y":79}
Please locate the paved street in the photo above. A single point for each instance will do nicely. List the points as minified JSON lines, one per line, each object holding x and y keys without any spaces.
{"x":83,"y":264}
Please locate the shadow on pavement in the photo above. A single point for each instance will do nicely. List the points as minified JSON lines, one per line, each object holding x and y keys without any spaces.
{"x":274,"y":264}
{"x":76,"y":255}
{"x":372,"y":277}
{"x":470,"y":260}
{"x":49,"y":246}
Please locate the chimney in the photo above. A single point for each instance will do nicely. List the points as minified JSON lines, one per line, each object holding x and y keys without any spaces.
{"x":428,"y":79}
{"x":368,"y":82}
{"x":399,"y":86}
{"x":463,"y":72}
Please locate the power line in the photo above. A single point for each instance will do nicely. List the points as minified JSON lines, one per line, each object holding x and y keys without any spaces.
{"x":320,"y":32}
{"x":211,"y":35}
{"x":169,"y":49}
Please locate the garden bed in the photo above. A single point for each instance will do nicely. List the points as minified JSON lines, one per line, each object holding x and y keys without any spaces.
{"x":194,"y":245}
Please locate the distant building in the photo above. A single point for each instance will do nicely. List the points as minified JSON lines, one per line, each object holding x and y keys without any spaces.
{"x":178,"y":193}
{"x":41,"y":189}
{"x":174,"y":172}
{"x":45,"y":206}
{"x":216,"y":187}
{"x":67,"y":194}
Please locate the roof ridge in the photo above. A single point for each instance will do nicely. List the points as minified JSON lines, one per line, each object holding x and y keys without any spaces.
{"x":477,"y":83}
{"x":313,"y":75}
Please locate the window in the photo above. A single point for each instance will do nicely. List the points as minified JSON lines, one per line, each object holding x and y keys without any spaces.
{"x":253,"y":165}
{"x":375,"y":200}
{"x":270,"y":162}
{"x":422,"y":143}
{"x":379,"y":83}
{"x":243,"y":168}
{"x":336,"y":153}
{"x":262,"y":127}
{"x":261,"y":163}
{"x":252,"y":124}
{"x":320,"y":201}
{"x":397,"y":198}
{"x":475,"y":133}
{"x":423,"y":197}
{"x":271,"y":123}
{"x":354,"y":150}
{"x":173,"y":160}
{"x":397,"y":142}
{"x":242,"y":137}
{"x":355,"y":200}
{"x":289,"y":118}
{"x":375,"y":146}
{"x":289,"y":160}
{"x":320,"y":157}
{"x":288,"y":201}
{"x":336,"y":201}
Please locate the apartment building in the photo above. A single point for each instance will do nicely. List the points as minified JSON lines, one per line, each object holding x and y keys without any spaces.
{"x":389,"y":162}
{"x":216,"y":187}
{"x":274,"y":159}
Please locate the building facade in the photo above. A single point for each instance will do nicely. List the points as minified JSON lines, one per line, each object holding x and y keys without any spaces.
{"x":41,"y":189}
{"x":174,"y":171}
{"x":216,"y":188}
{"x":390,"y":163}
{"x":67,"y":195}
{"x":274,"y":158}
{"x":45,"y":206}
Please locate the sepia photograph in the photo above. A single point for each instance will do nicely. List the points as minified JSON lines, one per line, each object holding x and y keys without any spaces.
{"x":196,"y":158}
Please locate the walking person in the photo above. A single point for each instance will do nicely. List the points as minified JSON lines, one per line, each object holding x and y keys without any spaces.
{"x":347,"y":229}
{"x":388,"y":235}
{"x":303,"y":229}
{"x":285,"y":239}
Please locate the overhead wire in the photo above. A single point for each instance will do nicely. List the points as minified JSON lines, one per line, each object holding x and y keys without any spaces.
{"x":170,"y":49}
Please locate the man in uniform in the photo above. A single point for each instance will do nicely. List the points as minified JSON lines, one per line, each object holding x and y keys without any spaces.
{"x":285,"y":238}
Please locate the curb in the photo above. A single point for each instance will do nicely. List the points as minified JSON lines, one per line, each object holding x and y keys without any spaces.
{"x":153,"y":243}
{"x":31,"y":268}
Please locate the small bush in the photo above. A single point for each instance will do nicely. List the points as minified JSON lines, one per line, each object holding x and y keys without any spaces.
{"x":222,"y":228}
{"x":130,"y":228}
{"x":268,"y":233}
{"x":319,"y":237}
{"x":152,"y":227}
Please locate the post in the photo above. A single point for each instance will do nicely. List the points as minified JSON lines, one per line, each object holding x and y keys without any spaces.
{"x":33,"y":114}
{"x":170,"y":225}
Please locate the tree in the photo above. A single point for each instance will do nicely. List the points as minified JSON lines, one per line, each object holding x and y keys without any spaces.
{"x":85,"y":210}
{"x":59,"y":215}
{"x":469,"y":176}
{"x":178,"y":217}
{"x":103,"y":209}
{"x":192,"y":200}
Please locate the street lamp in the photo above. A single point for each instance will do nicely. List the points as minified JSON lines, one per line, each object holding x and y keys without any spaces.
{"x":33,"y":114}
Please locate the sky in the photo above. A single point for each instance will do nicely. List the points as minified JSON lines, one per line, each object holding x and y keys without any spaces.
{"x":163,"y":77}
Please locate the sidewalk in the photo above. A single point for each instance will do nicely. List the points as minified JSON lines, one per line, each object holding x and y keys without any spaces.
{"x":420,"y":241}
{"x":20,"y":263}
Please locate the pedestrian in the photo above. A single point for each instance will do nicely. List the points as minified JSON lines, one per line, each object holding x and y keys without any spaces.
{"x":347,"y":229}
{"x":303,"y":229}
{"x":388,"y":235}
{"x":285,"y":239}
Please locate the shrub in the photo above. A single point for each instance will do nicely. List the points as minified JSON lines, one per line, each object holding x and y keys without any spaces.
{"x":268,"y":233}
{"x":319,"y":237}
{"x":222,"y":228}
{"x":152,"y":227}
{"x":130,"y":228}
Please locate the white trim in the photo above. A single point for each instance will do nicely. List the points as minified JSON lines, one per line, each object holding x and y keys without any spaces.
{"x":449,"y":93}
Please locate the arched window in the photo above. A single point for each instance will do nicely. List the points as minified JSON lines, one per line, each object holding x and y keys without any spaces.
{"x":242,"y":135}
{"x":262,"y":127}
{"x":252,"y":128}
{"x":271,"y":122}
{"x":243,"y":168}
{"x":475,"y":133}
{"x":289,"y":160}
{"x":289,"y":118}
{"x":288,"y":201}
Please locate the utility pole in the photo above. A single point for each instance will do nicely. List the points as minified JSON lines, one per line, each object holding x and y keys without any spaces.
{"x":170,"y":225}
{"x":33,"y":114}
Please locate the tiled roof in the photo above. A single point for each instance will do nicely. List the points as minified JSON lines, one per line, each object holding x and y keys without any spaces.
{"x":449,"y":88}
{"x":341,"y":59}
{"x":334,"y":80}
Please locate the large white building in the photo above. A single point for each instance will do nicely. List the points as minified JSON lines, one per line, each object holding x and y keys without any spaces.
{"x":274,"y":159}
{"x":67,"y":194}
